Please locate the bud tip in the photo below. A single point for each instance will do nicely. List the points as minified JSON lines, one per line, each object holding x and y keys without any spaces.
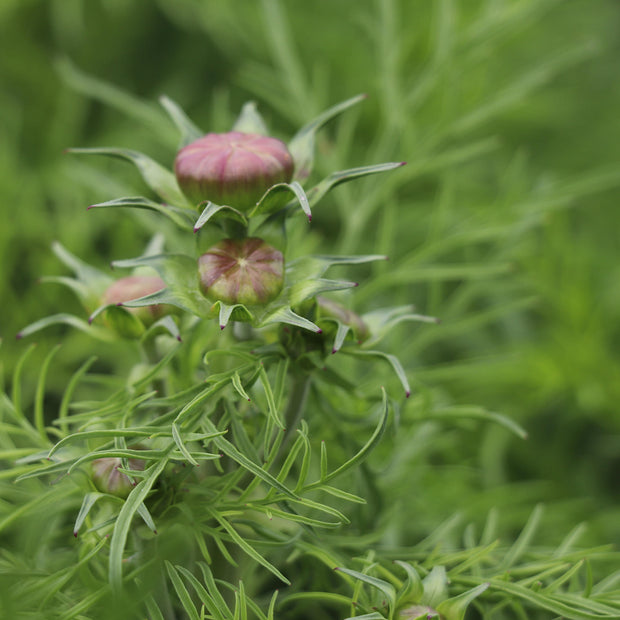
{"x":319,"y":331}
{"x":222,"y":327}
{"x":179,"y":339}
{"x":19,"y":336}
{"x":407,"y":393}
{"x":89,"y":207}
{"x":75,"y":534}
{"x":334,"y":350}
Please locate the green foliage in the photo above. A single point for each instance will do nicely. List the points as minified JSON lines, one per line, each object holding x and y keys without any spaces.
{"x":272,"y":455}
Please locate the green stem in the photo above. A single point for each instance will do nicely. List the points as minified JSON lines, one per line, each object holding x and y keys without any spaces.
{"x":296,"y":406}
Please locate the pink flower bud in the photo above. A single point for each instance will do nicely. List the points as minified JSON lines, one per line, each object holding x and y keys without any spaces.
{"x":241,"y":271}
{"x":108,"y":479}
{"x":132,"y":287}
{"x":233,"y":168}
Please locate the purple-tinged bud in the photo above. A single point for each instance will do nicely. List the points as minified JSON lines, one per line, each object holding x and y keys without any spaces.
{"x":330,"y":308}
{"x":233,"y":169}
{"x":241,"y":271}
{"x":108,"y":479}
{"x":133,"y":287}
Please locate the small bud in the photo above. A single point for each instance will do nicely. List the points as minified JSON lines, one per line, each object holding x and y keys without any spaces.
{"x":233,"y":168}
{"x":241,"y":271}
{"x":133,"y":287}
{"x":108,"y":479}
{"x":330,"y":308}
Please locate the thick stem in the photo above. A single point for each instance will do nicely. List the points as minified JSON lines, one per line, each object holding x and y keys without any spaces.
{"x":296,"y":406}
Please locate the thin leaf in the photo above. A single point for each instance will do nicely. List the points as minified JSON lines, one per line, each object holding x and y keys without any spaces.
{"x":160,"y":180}
{"x":302,"y":145}
{"x":343,"y":176}
{"x":229,"y":450}
{"x":182,"y":217}
{"x":189,"y":131}
{"x":392,"y":360}
{"x":307,"y":289}
{"x":361,"y":455}
{"x":67,"y":319}
{"x":250,"y":120}
{"x":478,"y":413}
{"x":182,"y":592}
{"x":87,"y":503}
{"x":520,"y":545}
{"x":69,"y":391}
{"x":246,"y":547}
{"x":123,"y":522}
{"x":384,"y":586}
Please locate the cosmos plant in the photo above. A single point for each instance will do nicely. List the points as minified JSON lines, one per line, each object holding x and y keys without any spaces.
{"x":199,"y":484}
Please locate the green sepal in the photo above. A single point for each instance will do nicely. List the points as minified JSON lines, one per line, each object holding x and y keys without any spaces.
{"x":226,"y":313}
{"x":435,"y":587}
{"x":385,"y":587}
{"x":381,"y":321}
{"x":166,"y":325}
{"x":284,"y":314}
{"x":93,"y":279}
{"x":160,"y":180}
{"x":250,"y":120}
{"x":336,"y":178}
{"x":123,"y":322}
{"x":454,"y":608}
{"x":275,"y":198}
{"x":302,"y":145}
{"x":412,"y":588}
{"x":189,"y":131}
{"x":392,"y":360}
{"x":212,"y":210}
{"x":307,"y":289}
{"x":181,"y":216}
{"x":316,"y":266}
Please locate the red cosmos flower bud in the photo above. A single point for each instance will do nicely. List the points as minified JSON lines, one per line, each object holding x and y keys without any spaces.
{"x":108,"y":479}
{"x":233,"y":168}
{"x":132,"y":287}
{"x":241,"y":271}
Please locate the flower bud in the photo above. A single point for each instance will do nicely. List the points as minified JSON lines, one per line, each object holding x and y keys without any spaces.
{"x":108,"y":479}
{"x":233,"y":168}
{"x":241,"y":271}
{"x":133,"y":287}
{"x":330,"y":308}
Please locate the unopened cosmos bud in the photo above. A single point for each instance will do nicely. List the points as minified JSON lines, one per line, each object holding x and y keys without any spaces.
{"x":133,"y":287}
{"x":241,"y":271}
{"x":108,"y":479}
{"x":233,"y":169}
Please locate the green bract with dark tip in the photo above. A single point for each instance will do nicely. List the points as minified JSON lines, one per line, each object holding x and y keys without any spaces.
{"x":232,"y":168}
{"x":241,"y":271}
{"x":332,"y":309}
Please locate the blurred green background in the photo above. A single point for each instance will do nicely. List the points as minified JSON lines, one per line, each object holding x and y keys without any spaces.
{"x":504,"y":223}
